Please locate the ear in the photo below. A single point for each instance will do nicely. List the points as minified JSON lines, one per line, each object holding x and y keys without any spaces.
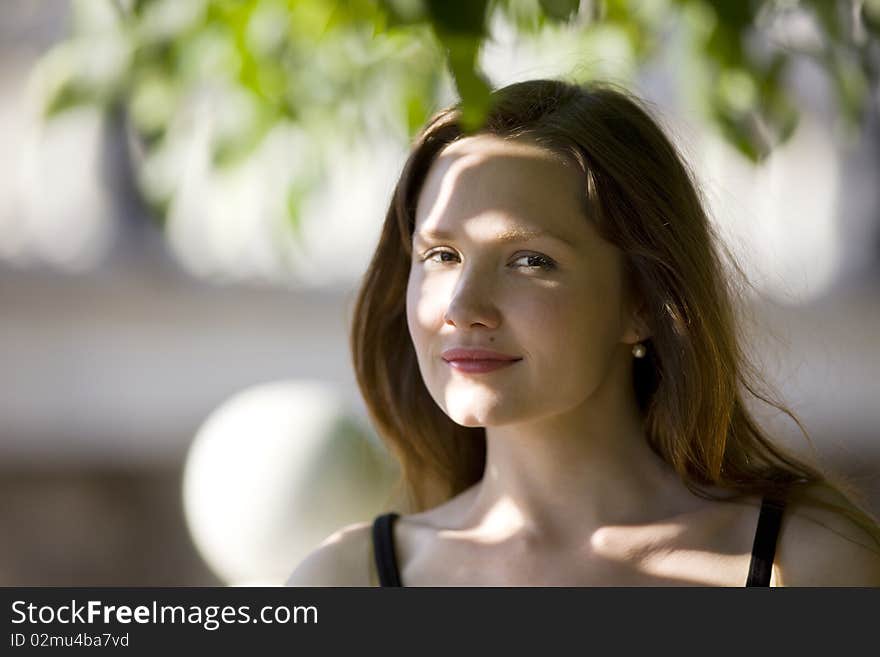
{"x":637,"y":328}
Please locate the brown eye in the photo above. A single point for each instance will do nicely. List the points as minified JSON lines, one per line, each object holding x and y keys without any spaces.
{"x":537,"y":261}
{"x":430,"y":256}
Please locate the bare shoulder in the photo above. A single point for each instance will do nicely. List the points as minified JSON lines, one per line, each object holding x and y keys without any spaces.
{"x":345,"y":558}
{"x":821,"y":547}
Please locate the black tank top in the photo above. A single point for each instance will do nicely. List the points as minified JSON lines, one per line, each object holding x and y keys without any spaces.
{"x":763,"y":547}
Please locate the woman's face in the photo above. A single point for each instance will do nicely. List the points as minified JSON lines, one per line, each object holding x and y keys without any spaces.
{"x":482,"y":277}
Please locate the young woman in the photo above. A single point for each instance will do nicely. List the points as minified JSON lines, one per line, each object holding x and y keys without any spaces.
{"x":546,"y":340}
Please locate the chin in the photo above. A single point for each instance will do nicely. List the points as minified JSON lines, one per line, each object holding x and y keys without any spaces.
{"x":465,"y":418}
{"x":471,"y":418}
{"x":469,"y":422}
{"x":474,"y":407}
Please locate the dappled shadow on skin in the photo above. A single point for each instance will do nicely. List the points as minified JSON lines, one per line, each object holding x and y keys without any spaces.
{"x":684,"y":552}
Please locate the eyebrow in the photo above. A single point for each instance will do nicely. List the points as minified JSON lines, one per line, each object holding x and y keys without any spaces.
{"x":512,"y":235}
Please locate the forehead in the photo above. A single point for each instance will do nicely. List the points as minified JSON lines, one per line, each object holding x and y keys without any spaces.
{"x":510,"y":179}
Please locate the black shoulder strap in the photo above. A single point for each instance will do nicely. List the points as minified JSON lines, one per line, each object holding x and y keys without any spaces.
{"x":764,"y":547}
{"x":383,"y":549}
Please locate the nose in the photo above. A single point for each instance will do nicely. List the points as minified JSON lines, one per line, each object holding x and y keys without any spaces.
{"x":471,"y":304}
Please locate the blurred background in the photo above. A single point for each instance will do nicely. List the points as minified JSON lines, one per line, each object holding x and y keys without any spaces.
{"x":190,"y":191}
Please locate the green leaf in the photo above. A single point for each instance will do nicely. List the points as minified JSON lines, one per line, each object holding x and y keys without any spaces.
{"x":65,"y":98}
{"x":871,"y":16}
{"x":417,"y":112}
{"x":560,"y":10}
{"x":472,"y":86}
{"x":404,"y":12}
{"x":296,"y":195}
{"x":786,"y":125}
{"x":740,"y":134}
{"x":737,"y":89}
{"x":459,"y":17}
{"x":829,"y":17}
{"x":852,"y":88}
{"x":525,"y":16}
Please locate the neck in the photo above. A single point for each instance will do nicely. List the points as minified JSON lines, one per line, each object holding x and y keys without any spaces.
{"x":560,"y":478}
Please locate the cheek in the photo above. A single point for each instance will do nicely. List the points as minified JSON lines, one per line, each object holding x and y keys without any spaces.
{"x":573,"y":329}
{"x":425,"y":303}
{"x":412,"y":302}
{"x":557,"y":315}
{"x":421,"y":317}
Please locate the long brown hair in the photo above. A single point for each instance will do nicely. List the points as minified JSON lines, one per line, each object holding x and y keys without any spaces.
{"x":692,"y":385}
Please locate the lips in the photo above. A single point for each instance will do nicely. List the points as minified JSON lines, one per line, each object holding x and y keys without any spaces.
{"x":460,"y":354}
{"x":479,"y":366}
{"x":478,"y":360}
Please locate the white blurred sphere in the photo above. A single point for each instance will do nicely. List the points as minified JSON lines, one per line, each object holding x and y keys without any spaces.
{"x":272,"y":472}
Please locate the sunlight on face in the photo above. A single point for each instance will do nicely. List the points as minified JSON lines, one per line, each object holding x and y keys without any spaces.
{"x":505,"y":259}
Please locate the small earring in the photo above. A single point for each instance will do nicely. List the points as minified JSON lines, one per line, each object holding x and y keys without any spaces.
{"x":639,"y":350}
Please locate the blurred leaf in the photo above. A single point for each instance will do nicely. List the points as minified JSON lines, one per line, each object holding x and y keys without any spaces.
{"x":404,"y":12}
{"x":560,"y":10}
{"x":525,"y":15}
{"x":871,"y":16}
{"x":725,"y":45}
{"x":231,"y":150}
{"x":69,"y":96}
{"x":472,"y":86}
{"x":151,"y":104}
{"x":459,"y":17}
{"x":737,"y":90}
{"x":417,"y":112}
{"x":741,"y":133}
{"x":850,"y":84}
{"x":828,"y":14}
{"x":775,"y":102}
{"x":296,"y":195}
